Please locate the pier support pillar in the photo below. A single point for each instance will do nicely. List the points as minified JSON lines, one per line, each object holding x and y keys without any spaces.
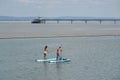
{"x":114,"y":21}
{"x":44,"y":21}
{"x":85,"y":21}
{"x":71,"y":21}
{"x":57,"y":21}
{"x":100,"y":21}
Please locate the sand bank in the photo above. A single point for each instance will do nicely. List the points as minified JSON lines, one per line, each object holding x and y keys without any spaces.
{"x":28,"y":30}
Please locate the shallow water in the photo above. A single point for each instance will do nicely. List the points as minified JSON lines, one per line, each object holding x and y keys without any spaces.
{"x":93,"y":58}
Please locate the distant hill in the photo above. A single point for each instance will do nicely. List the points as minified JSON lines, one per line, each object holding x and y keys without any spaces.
{"x":11,"y":18}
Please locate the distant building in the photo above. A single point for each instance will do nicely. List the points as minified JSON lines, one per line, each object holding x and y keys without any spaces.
{"x":39,"y":20}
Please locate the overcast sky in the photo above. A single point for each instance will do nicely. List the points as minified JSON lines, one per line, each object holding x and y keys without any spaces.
{"x":57,"y":8}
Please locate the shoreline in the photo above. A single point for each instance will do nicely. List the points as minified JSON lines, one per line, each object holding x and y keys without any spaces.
{"x":58,"y":37}
{"x":55,"y":36}
{"x":27,"y":30}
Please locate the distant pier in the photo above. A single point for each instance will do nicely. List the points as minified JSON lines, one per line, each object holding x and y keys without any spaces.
{"x":44,"y":21}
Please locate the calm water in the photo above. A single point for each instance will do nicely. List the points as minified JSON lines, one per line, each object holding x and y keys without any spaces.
{"x":93,"y":58}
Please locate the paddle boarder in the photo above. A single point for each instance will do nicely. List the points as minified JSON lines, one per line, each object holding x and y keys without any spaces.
{"x":59,"y":52}
{"x":45,"y":52}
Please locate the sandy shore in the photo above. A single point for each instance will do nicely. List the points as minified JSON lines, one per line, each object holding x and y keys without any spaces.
{"x":28,"y":30}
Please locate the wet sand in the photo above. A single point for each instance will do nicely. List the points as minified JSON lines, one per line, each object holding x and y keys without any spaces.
{"x":28,"y":30}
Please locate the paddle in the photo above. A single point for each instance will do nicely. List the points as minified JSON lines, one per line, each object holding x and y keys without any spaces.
{"x":61,"y":53}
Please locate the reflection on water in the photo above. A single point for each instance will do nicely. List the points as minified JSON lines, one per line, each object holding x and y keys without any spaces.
{"x":45,"y":67}
{"x":58,"y":67}
{"x":46,"y":72}
{"x":54,"y":73}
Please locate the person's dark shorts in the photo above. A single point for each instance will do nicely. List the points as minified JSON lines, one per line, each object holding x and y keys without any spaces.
{"x":58,"y":54}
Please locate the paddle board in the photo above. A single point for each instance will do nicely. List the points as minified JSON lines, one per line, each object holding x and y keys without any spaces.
{"x":59,"y":61}
{"x":45,"y":60}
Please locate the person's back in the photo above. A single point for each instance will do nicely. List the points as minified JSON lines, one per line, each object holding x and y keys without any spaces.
{"x":59,"y":51}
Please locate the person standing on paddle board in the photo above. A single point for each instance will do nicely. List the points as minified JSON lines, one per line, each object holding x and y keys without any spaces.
{"x":59,"y":52}
{"x":45,"y":52}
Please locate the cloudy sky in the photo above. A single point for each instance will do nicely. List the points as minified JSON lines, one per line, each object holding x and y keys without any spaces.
{"x":55,"y":8}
